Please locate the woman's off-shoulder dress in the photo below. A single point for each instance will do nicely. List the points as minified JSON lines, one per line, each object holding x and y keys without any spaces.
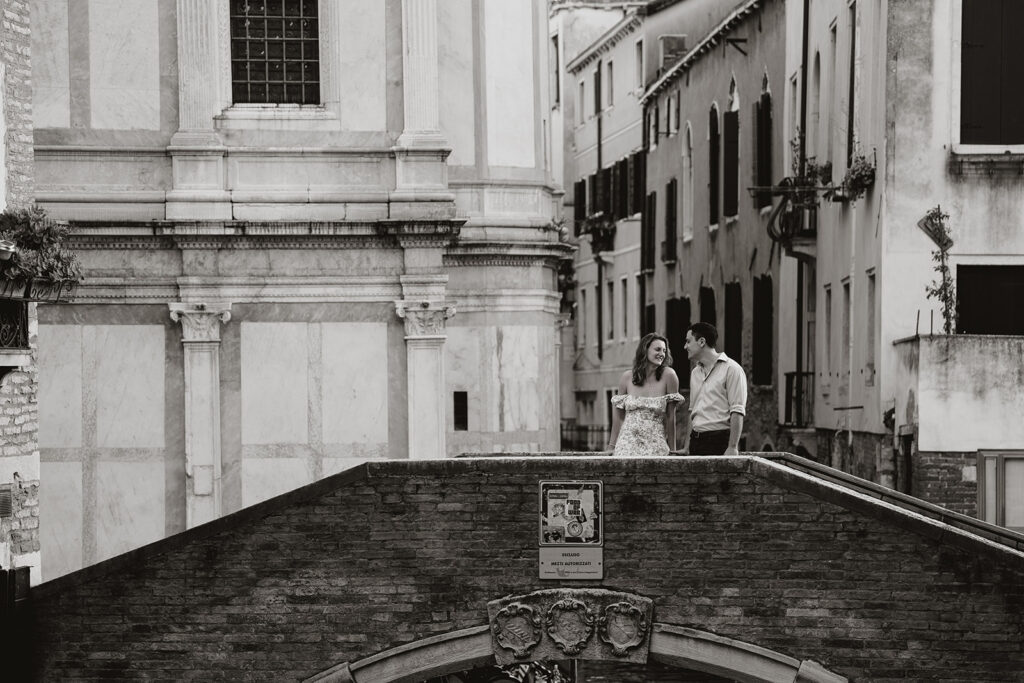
{"x":643,"y":431}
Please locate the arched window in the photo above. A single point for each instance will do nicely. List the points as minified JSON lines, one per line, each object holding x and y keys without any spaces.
{"x":731,"y":182}
{"x":763,"y":134}
{"x":714,"y":142}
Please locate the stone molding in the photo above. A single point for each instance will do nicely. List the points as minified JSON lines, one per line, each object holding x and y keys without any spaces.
{"x":424,"y":318}
{"x":200,"y":322}
{"x":570,"y":619}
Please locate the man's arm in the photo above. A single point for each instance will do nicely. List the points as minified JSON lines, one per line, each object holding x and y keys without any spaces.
{"x":735,"y":430}
{"x":736,"y":393}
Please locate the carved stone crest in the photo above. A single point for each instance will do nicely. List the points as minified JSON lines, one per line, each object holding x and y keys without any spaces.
{"x":517,"y":627}
{"x":623,"y":626}
{"x":570,"y":624}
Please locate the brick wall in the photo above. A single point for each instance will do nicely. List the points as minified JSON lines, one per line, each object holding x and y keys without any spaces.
{"x":947,"y":479}
{"x":19,"y":451}
{"x":393,"y":552}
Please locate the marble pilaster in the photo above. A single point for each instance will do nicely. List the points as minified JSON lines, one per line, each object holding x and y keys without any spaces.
{"x":201,"y":340}
{"x":424,"y":343}
{"x":197,"y":153}
{"x":421,"y":151}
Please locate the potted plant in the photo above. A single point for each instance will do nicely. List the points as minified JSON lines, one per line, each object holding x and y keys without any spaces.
{"x":859,"y":178}
{"x":38,"y":266}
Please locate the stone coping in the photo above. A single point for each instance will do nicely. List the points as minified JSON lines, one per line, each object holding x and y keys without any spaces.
{"x":588,"y":465}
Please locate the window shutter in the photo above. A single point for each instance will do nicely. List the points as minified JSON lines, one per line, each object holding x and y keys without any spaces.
{"x":734,"y":322}
{"x":1012,"y":78}
{"x":732,"y":163}
{"x":981,"y":89}
{"x":713,"y":160}
{"x":764,"y":149}
{"x":592,"y":194}
{"x":762,"y":333}
{"x":708,"y":311}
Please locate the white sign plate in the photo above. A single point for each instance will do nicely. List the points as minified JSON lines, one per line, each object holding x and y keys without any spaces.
{"x":571,"y":563}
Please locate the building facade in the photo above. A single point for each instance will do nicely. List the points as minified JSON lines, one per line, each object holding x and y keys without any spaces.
{"x":315,"y":233}
{"x":19,"y":449}
{"x":706,"y":253}
{"x":917,"y":391}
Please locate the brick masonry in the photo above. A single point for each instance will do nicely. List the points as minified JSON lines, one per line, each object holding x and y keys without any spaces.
{"x":18,"y":411}
{"x":394,"y":552}
{"x":947,"y":479}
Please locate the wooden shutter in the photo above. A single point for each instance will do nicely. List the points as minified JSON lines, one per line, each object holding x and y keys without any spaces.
{"x":980,"y":72}
{"x":764,"y":149}
{"x":708,"y":312}
{"x":713,"y":157}
{"x":732,"y":163}
{"x":733,"y":346}
{"x":762,"y":333}
{"x":1011,"y":89}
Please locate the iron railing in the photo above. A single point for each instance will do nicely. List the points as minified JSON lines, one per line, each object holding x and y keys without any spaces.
{"x":13,"y":325}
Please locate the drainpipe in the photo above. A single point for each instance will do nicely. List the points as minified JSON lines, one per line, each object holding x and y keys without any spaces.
{"x":799,"y":388}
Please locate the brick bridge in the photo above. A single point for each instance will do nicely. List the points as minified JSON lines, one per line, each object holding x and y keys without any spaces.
{"x":749,"y":568}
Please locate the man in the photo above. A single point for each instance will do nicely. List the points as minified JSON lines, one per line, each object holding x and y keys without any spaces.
{"x":718,"y":395}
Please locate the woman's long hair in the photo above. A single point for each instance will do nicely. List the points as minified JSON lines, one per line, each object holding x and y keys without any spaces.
{"x":640,"y":359}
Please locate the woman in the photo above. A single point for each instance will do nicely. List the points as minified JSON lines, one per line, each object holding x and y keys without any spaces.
{"x":644,"y":416}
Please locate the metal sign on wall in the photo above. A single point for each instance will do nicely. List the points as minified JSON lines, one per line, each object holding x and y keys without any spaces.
{"x":571,"y":530}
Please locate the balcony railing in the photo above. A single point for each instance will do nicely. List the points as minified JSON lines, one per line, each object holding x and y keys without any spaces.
{"x":13,"y":325}
{"x":799,"y":399}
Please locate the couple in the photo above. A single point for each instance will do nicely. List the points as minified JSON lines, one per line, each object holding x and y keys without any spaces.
{"x":644,"y":415}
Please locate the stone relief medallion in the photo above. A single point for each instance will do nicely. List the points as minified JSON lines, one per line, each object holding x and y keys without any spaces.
{"x":517,"y":628}
{"x":570,"y":624}
{"x":623,"y":626}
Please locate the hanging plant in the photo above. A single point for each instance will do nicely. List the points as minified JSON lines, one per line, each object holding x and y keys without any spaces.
{"x":943,"y":290}
{"x":859,"y":178}
{"x":35,"y":261}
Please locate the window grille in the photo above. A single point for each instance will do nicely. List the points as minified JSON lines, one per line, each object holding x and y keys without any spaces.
{"x":13,"y":325}
{"x":275,"y":53}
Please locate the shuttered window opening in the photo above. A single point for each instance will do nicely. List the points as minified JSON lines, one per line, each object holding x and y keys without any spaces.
{"x":713,"y":162}
{"x":677,"y":321}
{"x":763,"y":147}
{"x":990,"y":300}
{"x":579,"y":203}
{"x":648,"y":221}
{"x":733,"y":343}
{"x":991,"y":73}
{"x":668,"y":247}
{"x":460,"y":411}
{"x":708,"y":313}
{"x":731,"y":181}
{"x":762,"y":332}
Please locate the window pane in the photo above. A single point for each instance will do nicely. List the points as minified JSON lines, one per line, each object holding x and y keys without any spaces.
{"x":1013,"y":492}
{"x":990,"y":490}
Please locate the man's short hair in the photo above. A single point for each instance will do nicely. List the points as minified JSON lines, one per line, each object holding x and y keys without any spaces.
{"x":707,"y":331}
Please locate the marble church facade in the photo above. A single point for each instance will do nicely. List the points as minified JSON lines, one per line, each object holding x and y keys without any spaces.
{"x":278,"y":290}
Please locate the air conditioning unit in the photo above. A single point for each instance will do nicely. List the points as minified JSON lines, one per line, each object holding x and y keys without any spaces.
{"x":671,"y":48}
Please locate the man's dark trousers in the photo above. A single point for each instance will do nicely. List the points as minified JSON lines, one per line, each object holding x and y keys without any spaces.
{"x":709,"y":443}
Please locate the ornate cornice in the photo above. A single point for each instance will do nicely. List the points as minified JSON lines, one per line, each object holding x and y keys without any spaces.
{"x":629,"y":24}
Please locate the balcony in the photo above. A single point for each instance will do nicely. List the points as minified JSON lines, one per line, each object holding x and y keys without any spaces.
{"x":962,"y":392}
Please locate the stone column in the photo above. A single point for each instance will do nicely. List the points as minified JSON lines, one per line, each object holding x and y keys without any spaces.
{"x":424,"y":346}
{"x":200,"y":326}
{"x":421,"y":150}
{"x":197,"y":153}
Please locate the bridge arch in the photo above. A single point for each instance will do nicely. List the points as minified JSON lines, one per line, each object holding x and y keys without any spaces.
{"x":677,"y":646}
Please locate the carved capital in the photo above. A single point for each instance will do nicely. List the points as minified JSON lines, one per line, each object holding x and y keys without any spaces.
{"x":200,"y":322}
{"x":424,"y":318}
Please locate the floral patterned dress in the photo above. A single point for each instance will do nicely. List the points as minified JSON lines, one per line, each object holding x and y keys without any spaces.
{"x":643,"y":431}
